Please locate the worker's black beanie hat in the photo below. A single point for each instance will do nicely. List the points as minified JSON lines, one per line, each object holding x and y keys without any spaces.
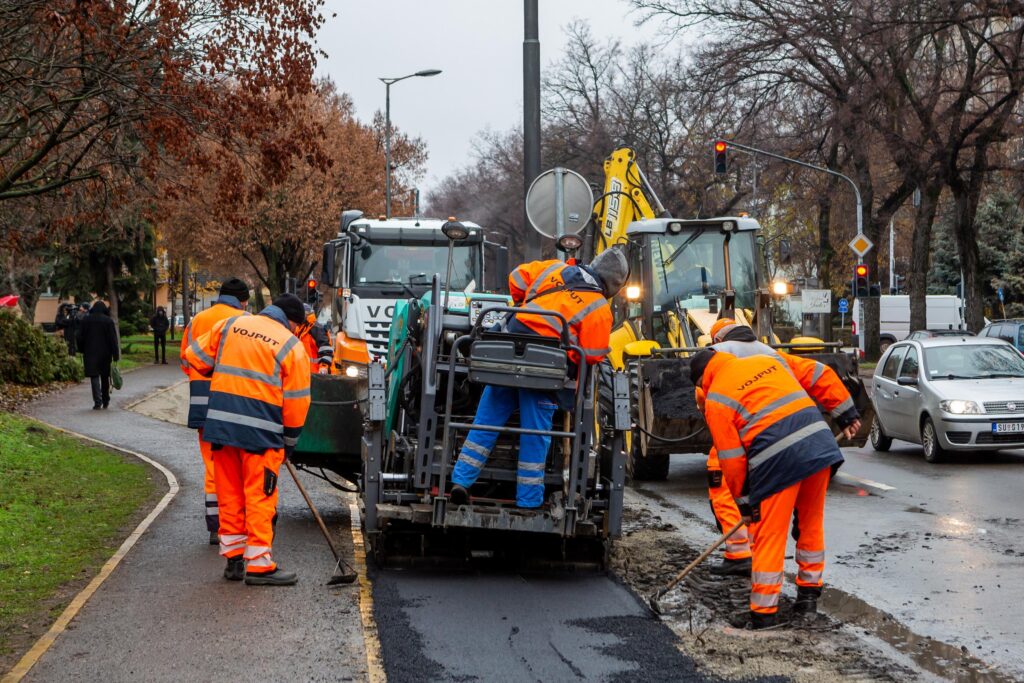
{"x":236,"y":288}
{"x":292,"y":307}
{"x":698,"y":363}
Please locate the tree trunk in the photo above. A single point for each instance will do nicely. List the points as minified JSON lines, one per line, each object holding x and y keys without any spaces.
{"x":920,"y":255}
{"x":825,"y":250}
{"x":186,"y":293}
{"x":111,"y":291}
{"x":966,"y":197}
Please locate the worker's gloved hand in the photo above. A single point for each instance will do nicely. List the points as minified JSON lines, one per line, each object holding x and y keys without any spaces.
{"x":851,"y":430}
{"x":288,"y":452}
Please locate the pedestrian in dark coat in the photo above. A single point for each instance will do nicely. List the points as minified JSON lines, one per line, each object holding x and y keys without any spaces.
{"x":160,"y":323}
{"x":97,"y":340}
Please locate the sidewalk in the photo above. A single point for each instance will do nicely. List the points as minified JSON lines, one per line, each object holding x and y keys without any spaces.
{"x":166,"y":613}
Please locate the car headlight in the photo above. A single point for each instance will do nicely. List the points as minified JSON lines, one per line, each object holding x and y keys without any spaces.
{"x":961,"y":407}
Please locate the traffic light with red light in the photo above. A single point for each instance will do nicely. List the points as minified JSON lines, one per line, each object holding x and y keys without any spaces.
{"x":312,"y":296}
{"x":861,"y":280}
{"x":721,"y":162}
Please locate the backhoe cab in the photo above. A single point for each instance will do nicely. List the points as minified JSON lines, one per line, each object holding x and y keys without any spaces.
{"x":685,"y":275}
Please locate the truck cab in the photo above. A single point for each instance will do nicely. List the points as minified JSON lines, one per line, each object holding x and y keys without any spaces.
{"x":367,"y":268}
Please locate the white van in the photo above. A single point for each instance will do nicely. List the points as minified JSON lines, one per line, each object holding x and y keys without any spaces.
{"x":943,"y":312}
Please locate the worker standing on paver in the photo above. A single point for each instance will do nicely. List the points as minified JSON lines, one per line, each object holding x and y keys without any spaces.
{"x":817,"y":379}
{"x":233,"y":298}
{"x":259,"y":397}
{"x":580,"y":294}
{"x":777,"y":455}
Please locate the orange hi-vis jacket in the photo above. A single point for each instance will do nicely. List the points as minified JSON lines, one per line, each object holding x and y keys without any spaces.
{"x":768,"y":432}
{"x":259,"y":392}
{"x":817,"y":379}
{"x":560,"y":288}
{"x":198,"y":385}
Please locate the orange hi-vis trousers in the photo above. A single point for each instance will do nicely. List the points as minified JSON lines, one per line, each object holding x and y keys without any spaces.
{"x":209,"y":485}
{"x":247,"y":494}
{"x":723,"y":505}
{"x":770,"y":535}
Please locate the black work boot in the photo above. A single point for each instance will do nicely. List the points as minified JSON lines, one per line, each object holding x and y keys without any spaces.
{"x":214,"y":538}
{"x":274,"y":578}
{"x":806,"y":600}
{"x":458,"y":496}
{"x":729,"y":567}
{"x":235,"y":569}
{"x":753,"y":620}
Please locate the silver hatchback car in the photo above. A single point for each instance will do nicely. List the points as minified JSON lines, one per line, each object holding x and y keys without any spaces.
{"x":949,"y":394}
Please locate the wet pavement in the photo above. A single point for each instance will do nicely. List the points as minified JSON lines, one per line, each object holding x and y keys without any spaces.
{"x":937,"y":548}
{"x":166,"y":613}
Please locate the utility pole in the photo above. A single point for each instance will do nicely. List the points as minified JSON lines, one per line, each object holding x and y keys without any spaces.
{"x":531,"y":116}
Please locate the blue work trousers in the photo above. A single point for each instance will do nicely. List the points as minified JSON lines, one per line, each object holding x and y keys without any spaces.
{"x":536,"y":409}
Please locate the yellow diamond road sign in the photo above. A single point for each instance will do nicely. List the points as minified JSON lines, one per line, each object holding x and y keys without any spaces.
{"x":861,"y":245}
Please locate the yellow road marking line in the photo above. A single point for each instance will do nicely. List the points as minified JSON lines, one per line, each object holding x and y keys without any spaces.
{"x":155,"y":393}
{"x":47,"y":639}
{"x":374,"y":662}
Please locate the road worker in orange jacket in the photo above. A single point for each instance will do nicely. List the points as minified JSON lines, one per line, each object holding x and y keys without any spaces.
{"x":259,"y":396}
{"x":317,"y":341}
{"x":817,"y":379}
{"x":580,"y":294}
{"x":234,"y":296}
{"x":777,"y":455}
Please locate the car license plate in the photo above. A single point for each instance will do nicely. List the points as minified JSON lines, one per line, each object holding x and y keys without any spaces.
{"x":1007,"y":427}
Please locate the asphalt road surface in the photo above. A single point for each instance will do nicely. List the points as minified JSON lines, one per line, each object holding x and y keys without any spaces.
{"x":167,"y":614}
{"x":939,"y":547}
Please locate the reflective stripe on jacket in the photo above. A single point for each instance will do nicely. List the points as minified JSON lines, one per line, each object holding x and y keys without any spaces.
{"x":199,"y":386}
{"x":259,"y":390}
{"x":581,"y":303}
{"x":768,"y":432}
{"x":817,"y":379}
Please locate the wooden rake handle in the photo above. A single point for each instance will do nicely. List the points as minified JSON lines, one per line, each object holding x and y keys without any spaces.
{"x":700,"y":558}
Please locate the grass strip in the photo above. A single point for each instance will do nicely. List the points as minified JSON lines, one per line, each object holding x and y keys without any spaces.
{"x":64,"y":508}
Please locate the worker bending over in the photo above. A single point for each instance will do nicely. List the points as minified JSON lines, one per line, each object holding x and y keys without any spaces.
{"x":259,"y":396}
{"x":234,"y":296}
{"x":579,"y":293}
{"x":777,"y":455}
{"x":817,"y":379}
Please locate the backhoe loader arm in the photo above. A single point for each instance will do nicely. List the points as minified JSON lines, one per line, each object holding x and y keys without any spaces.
{"x":627,"y":197}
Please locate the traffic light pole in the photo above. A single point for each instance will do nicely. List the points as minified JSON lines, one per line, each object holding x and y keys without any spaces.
{"x":856,"y":190}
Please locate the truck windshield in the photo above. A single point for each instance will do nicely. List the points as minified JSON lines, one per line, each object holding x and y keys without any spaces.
{"x":691,"y":265}
{"x":385,"y":264}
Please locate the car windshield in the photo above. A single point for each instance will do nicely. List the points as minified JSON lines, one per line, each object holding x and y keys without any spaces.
{"x":385,"y":264}
{"x":973,"y":361}
{"x":691,"y":265}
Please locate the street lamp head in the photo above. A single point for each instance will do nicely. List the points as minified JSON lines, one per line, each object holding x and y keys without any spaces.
{"x":428,"y":72}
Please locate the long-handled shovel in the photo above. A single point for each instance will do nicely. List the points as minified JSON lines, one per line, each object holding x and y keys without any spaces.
{"x":653,"y":600}
{"x":349,"y":574}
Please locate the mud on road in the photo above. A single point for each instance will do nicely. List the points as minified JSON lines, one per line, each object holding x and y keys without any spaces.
{"x":651,"y":552}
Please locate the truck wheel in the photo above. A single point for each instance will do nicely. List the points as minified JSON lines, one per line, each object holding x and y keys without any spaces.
{"x":933,"y":451}
{"x":884,"y":343}
{"x":879,"y":441}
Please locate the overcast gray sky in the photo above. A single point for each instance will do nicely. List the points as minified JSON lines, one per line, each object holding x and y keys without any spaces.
{"x":477,"y":44}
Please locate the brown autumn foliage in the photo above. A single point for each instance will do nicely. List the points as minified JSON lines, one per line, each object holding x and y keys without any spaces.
{"x":236,"y":216}
{"x":90,"y":84}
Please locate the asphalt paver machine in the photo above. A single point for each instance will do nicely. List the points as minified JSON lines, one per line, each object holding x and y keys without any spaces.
{"x":443,"y":349}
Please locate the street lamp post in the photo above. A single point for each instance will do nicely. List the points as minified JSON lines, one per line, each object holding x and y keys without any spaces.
{"x":388,"y":82}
